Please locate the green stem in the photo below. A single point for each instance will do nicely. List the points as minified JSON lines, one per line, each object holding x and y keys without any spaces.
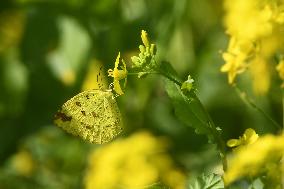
{"x":220,"y":143}
{"x":250,"y":102}
{"x":213,"y":128}
{"x":137,"y":73}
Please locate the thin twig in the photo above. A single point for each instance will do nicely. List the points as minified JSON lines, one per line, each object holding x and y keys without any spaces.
{"x":137,"y":73}
{"x":250,"y":103}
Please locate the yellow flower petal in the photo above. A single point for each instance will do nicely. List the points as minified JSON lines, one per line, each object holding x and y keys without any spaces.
{"x":258,"y":158}
{"x":250,"y":136}
{"x":233,"y":142}
{"x":118,"y":74}
{"x":117,"y":87}
{"x":145,"y":38}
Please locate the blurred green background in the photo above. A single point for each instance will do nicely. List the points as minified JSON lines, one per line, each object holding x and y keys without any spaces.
{"x":47,"y":48}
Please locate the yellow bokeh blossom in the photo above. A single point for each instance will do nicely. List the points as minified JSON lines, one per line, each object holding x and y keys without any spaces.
{"x":256,"y":29}
{"x":259,"y":70}
{"x":134,"y":162}
{"x":280,"y":69}
{"x":118,"y":74}
{"x":248,"y":19}
{"x":23,"y":163}
{"x":249,"y":137}
{"x":68,"y":77}
{"x":261,"y":157}
{"x":95,"y":78}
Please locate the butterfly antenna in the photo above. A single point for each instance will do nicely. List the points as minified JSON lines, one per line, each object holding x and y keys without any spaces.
{"x":100,"y":79}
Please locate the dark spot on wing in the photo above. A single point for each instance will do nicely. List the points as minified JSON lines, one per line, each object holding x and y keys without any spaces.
{"x":94,"y":115}
{"x":62,"y":116}
{"x":78,"y":104}
{"x":87,"y":96}
{"x":83,"y":112}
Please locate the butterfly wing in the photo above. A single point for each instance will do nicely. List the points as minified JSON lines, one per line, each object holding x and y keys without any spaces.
{"x":93,"y":115}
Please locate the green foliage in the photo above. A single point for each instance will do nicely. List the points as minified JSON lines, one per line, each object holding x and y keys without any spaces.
{"x":52,"y":152}
{"x":188,"y":107}
{"x":207,"y":181}
{"x":47,"y":47}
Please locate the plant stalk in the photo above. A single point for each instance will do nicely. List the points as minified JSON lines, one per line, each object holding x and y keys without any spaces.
{"x":250,"y":103}
{"x":215,"y":132}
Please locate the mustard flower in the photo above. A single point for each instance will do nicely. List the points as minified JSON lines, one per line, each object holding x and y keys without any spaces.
{"x":134,"y":162}
{"x":118,"y":74}
{"x":259,"y":158}
{"x":144,"y":37}
{"x":280,"y":69}
{"x":145,"y":61}
{"x":249,"y":137}
{"x":255,"y":29}
{"x":234,"y":65}
{"x":236,"y":56}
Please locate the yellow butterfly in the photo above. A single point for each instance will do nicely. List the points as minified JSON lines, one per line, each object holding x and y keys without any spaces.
{"x":92,"y":115}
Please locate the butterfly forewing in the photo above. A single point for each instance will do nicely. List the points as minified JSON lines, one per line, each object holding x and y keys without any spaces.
{"x":92,"y":115}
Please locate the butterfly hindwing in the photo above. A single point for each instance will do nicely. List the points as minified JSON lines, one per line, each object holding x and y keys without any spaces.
{"x":93,"y":115}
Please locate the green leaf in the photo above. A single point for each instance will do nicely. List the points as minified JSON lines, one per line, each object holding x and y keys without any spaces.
{"x":209,"y":181}
{"x":168,"y":71}
{"x":189,"y":109}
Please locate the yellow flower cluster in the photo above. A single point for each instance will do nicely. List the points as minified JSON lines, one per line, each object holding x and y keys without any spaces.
{"x":134,"y":162}
{"x":145,"y":62}
{"x":146,"y":57}
{"x":256,"y":29}
{"x":261,"y":157}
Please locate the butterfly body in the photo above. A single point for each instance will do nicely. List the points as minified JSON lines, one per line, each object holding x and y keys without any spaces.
{"x":92,"y":115}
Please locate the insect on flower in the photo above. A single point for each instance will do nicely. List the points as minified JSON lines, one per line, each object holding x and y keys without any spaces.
{"x":118,"y":74}
{"x":92,"y":115}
